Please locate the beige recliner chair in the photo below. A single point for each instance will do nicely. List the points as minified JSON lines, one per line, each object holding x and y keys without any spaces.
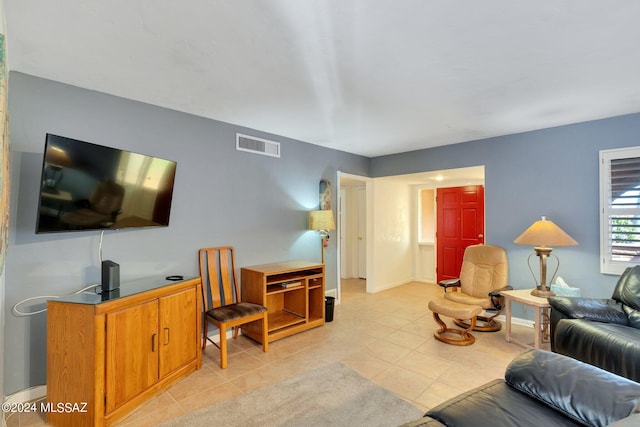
{"x":483,"y":275}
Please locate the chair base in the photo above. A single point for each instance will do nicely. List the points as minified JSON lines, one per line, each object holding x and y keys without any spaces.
{"x":465,"y":337}
{"x":454,"y":310}
{"x":483,"y":324}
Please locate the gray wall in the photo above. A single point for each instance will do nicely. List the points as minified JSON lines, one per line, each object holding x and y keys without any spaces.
{"x":222,"y":196}
{"x":552,"y":172}
{"x":259,"y":204}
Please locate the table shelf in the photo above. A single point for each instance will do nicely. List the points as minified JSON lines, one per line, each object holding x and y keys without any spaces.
{"x":284,"y":319}
{"x":290,"y":309}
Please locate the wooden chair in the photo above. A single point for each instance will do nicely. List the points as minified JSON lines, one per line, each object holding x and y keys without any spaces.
{"x":220,"y":297}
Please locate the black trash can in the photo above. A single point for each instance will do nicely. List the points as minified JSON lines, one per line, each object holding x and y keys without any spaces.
{"x":329,"y":303}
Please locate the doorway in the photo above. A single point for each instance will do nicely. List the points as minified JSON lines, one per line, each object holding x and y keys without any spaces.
{"x":380,"y":222}
{"x":352,"y":235}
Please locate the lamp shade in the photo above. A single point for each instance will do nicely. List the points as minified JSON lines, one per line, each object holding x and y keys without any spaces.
{"x":321,"y":220}
{"x":58,"y":157}
{"x":545,"y":233}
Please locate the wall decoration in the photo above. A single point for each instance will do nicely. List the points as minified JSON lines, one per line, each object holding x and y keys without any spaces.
{"x":4,"y":154}
{"x":325,"y":194}
{"x":324,"y":205}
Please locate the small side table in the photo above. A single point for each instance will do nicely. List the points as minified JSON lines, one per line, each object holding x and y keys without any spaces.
{"x":540,"y":320}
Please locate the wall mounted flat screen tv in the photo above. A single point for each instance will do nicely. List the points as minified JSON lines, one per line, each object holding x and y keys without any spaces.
{"x":86,"y":186}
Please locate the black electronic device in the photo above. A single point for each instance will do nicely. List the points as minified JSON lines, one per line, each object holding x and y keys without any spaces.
{"x":110,"y":276}
{"x":108,"y":296}
{"x":85,"y":186}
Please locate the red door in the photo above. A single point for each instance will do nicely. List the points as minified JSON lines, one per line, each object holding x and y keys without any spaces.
{"x":460,"y":212}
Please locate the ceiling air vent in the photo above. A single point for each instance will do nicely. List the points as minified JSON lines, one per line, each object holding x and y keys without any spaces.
{"x":257,"y":145}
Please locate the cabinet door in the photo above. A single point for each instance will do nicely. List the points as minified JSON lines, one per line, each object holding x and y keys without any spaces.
{"x":131,"y":353}
{"x":178,"y":328}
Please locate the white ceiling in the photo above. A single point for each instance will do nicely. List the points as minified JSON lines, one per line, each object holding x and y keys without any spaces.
{"x":370,"y":77}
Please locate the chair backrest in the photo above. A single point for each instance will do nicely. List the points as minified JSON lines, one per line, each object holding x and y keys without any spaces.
{"x":627,"y":290}
{"x":484,"y":268}
{"x":218,"y":275}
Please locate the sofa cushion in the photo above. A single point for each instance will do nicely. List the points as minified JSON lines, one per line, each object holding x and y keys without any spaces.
{"x":612,"y":347}
{"x":568,"y":386}
{"x":495,"y":404}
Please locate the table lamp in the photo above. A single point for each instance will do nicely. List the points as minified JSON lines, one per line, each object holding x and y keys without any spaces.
{"x":56,"y":160}
{"x":542,"y":234}
{"x":322,"y":222}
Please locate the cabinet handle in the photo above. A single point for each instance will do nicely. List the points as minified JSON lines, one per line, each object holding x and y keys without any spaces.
{"x":166,"y":336}
{"x":153,"y":342}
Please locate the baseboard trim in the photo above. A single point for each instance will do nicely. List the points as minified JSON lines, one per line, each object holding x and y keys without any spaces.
{"x":425,"y":280}
{"x":517,"y":321}
{"x":216,"y":337}
{"x":386,"y":286}
{"x":27,"y":395}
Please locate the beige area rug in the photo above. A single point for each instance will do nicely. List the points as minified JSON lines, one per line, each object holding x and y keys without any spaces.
{"x":333,"y":395}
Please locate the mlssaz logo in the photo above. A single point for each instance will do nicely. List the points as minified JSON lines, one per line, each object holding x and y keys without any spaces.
{"x":60,"y":407}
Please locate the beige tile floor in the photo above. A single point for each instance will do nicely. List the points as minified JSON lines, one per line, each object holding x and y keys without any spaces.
{"x":386,"y":337}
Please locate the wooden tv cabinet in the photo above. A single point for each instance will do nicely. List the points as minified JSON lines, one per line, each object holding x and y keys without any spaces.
{"x":109,"y":353}
{"x":293,"y":293}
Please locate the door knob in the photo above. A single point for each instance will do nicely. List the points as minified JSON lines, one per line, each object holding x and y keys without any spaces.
{"x":480,"y":236}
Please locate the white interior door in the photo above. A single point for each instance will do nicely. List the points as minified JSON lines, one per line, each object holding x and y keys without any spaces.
{"x":362,"y":233}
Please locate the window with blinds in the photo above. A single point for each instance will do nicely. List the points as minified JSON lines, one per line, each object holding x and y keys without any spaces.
{"x":619,"y":209}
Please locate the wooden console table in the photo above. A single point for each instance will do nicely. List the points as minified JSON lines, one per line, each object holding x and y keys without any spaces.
{"x":109,"y":353}
{"x":293,"y":293}
{"x":540,"y":320}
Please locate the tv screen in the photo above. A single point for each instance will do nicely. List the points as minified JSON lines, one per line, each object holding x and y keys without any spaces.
{"x":86,"y":186}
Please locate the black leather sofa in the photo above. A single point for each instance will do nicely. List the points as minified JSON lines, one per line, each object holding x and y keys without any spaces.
{"x":543,"y":389}
{"x":601,"y":332}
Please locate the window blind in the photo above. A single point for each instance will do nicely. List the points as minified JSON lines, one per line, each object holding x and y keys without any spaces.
{"x":620,"y":202}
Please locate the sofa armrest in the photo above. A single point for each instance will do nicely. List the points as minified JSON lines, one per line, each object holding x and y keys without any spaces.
{"x":497,"y":299}
{"x":598,"y":397}
{"x":598,"y":310}
{"x":496,"y":292}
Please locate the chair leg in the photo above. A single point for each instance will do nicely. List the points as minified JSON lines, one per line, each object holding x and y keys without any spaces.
{"x":205,"y":332}
{"x":223,"y":347}
{"x":443,"y":326}
{"x":265,"y":334}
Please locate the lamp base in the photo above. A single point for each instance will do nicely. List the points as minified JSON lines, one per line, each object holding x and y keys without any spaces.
{"x":542,"y":293}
